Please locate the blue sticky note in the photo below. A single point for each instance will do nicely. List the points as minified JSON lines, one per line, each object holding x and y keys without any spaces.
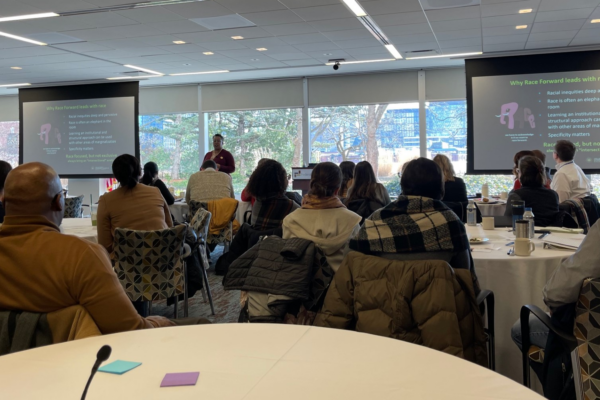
{"x":119,"y":367}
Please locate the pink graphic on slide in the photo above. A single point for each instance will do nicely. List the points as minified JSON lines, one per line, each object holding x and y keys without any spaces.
{"x":45,"y":132}
{"x":510,"y":110}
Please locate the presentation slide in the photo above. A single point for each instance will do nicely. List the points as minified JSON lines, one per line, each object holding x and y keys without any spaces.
{"x":533,"y":111}
{"x":79,"y":137}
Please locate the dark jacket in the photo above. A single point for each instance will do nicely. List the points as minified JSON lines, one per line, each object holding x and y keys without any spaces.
{"x":543,"y":203}
{"x":364,"y":207}
{"x":164,"y":191}
{"x":455,"y":191}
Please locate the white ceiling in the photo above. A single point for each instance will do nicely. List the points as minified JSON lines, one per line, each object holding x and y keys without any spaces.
{"x":300,"y":35}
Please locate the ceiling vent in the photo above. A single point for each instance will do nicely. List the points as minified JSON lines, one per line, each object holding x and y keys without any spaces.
{"x":421,"y":53}
{"x":442,"y":4}
{"x":225,"y":22}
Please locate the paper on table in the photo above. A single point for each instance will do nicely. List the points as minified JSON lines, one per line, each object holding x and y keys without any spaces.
{"x":119,"y":367}
{"x":568,"y":243}
{"x":180,"y":379}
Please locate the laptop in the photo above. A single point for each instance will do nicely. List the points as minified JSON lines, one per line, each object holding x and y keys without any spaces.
{"x":503,"y":221}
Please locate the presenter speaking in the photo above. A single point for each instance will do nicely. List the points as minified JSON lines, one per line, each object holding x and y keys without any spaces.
{"x":223,"y":158}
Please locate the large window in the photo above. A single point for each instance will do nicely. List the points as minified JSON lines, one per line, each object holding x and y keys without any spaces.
{"x":255,"y":134}
{"x":9,"y":142}
{"x":171,"y":141}
{"x":386,"y":135}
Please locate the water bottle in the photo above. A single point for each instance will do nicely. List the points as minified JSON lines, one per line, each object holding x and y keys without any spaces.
{"x":528,"y":216}
{"x":485,"y":190}
{"x":471,"y":214}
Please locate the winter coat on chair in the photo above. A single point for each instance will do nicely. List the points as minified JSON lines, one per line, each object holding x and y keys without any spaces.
{"x":422,"y":302}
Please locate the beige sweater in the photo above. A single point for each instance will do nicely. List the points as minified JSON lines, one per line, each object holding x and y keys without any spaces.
{"x":330,"y":229}
{"x":208,"y":185}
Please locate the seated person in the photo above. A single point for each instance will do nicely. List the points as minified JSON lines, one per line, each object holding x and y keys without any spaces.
{"x":366,"y":195}
{"x":543,"y":202}
{"x":323,"y":218}
{"x":455,"y":189}
{"x":542,"y":156}
{"x":569,"y":180}
{"x":347,"y":168}
{"x":245,"y":196}
{"x":150,"y":178}
{"x":131,"y":206}
{"x":209,"y":184}
{"x":417,"y":226}
{"x":5,"y":168}
{"x":526,"y":153}
{"x":43,"y":270}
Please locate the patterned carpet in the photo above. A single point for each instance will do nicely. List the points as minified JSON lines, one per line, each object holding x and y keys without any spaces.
{"x":227,"y":305}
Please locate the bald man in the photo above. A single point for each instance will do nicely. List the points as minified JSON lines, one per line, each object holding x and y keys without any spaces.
{"x":42,"y":270}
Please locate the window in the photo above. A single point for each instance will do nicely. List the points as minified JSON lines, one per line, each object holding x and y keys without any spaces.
{"x":171,"y":141}
{"x":9,"y":142}
{"x":255,"y":134}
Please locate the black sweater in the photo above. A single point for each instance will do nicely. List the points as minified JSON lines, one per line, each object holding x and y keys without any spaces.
{"x":455,"y":191}
{"x":543,"y":203}
{"x":164,"y":191}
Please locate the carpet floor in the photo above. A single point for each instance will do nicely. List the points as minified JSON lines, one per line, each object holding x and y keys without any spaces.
{"x":227,"y":303}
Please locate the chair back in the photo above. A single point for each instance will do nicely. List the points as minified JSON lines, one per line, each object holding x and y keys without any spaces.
{"x":200,"y":224}
{"x":194,"y":206}
{"x":587,"y":332}
{"x":149,"y":264}
{"x":73,"y":207}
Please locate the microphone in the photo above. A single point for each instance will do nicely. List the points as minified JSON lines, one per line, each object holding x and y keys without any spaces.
{"x":102,"y":356}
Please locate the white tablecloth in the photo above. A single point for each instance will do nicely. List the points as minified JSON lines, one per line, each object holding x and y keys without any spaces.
{"x":515,"y":281}
{"x":492,"y":210}
{"x":80,"y":227}
{"x":253,"y":361}
{"x":180,"y":208}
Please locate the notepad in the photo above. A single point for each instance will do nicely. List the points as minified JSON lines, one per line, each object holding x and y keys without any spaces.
{"x":180,"y":379}
{"x":119,"y":367}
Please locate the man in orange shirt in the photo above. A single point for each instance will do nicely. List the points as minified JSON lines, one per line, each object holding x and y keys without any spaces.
{"x":42,"y":270}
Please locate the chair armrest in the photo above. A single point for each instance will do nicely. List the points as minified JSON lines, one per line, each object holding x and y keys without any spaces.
{"x":187,"y":251}
{"x":483,"y":295}
{"x":544,"y":319}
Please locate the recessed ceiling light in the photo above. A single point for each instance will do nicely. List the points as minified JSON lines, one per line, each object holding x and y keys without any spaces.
{"x":199,"y":73}
{"x":178,"y":42}
{"x":16,"y":68}
{"x":208,"y":53}
{"x":8,"y":35}
{"x":29,"y":16}
{"x":595,"y":21}
{"x":525,"y":11}
{"x":134,"y":77}
{"x":187,"y":65}
{"x":355,"y":8}
{"x":254,"y":59}
{"x":445,"y":55}
{"x":237,"y":37}
{"x":143,"y":69}
{"x":521,"y":27}
{"x":16,"y":84}
{"x":261,"y":49}
{"x":361,"y":61}
{"x":393,"y":51}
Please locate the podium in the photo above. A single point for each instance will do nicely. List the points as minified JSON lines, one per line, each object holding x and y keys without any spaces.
{"x":301,"y":178}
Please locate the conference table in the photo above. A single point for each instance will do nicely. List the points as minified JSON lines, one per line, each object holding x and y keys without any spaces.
{"x":515,"y":281}
{"x":80,"y":227}
{"x":253,"y":361}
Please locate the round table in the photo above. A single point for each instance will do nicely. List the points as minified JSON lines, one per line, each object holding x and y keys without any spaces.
{"x":515,"y":281}
{"x":253,"y":361}
{"x":80,"y":227}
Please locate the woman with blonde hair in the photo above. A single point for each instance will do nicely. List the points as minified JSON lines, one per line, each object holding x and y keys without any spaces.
{"x":455,"y":189}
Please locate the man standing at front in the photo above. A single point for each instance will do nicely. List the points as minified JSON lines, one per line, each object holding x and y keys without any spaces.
{"x":224,"y":159}
{"x":569,"y":181}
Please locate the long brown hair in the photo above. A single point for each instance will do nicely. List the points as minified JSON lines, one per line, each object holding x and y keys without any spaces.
{"x":347,"y":168}
{"x":365,"y":183}
{"x":518,"y":156}
{"x":325,"y":179}
{"x":533,"y":173}
{"x":446,"y":166}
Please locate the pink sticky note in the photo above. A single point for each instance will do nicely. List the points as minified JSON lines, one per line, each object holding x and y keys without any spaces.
{"x":180,"y":379}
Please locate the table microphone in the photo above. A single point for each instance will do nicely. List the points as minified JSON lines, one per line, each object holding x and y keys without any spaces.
{"x":102,"y":356}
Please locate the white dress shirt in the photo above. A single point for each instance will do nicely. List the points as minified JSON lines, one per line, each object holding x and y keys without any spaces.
{"x":570,"y":182}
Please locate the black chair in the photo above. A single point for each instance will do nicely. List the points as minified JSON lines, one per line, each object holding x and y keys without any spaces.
{"x":485,"y":301}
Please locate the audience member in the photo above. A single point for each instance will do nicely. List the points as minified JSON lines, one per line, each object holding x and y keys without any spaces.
{"x":131,"y":206}
{"x":516,"y":158}
{"x":150,"y":178}
{"x":417,"y":226}
{"x":245,"y":196}
{"x":223,"y":159}
{"x":323,"y":218}
{"x":455,"y":189}
{"x":542,"y":156}
{"x":347,"y":168}
{"x":5,"y":168}
{"x":366,"y":195}
{"x":543,"y":201}
{"x":569,"y":180}
{"x":43,"y":270}
{"x":209,"y":184}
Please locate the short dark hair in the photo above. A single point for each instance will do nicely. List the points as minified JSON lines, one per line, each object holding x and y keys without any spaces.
{"x":325,"y":179}
{"x":127,"y":170}
{"x":219,"y":135}
{"x":565,"y":150}
{"x":422,"y":177}
{"x":540,"y":154}
{"x":209,"y":164}
{"x":150,"y":171}
{"x":5,"y":168}
{"x":532,"y":173}
{"x":518,"y":156}
{"x":268,"y":180}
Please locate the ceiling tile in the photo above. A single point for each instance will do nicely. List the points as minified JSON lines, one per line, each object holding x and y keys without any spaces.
{"x":203,"y":37}
{"x":268,"y":42}
{"x":201,"y":9}
{"x":505,"y":39}
{"x":116,"y":32}
{"x":302,"y":39}
{"x":59,"y":5}
{"x":150,"y":14}
{"x":328,"y":55}
{"x":444,"y":44}
{"x":288,"y":56}
{"x":290,"y":29}
{"x":248,"y":6}
{"x":508,"y":20}
{"x":120,"y":44}
{"x":461,"y":34}
{"x":341,"y":24}
{"x":503,"y":47}
{"x":538,"y":37}
{"x":321,"y":13}
{"x":302,"y":63}
{"x":357,"y":43}
{"x":585,"y":41}
{"x":456,"y":24}
{"x":511,"y":8}
{"x":82,"y":47}
{"x":247,"y":33}
{"x":505,"y":30}
{"x":164,"y":58}
{"x":381,"y":7}
{"x":553,"y":5}
{"x":245,"y":53}
{"x":576,"y":13}
{"x":589,"y":33}
{"x":384,"y":20}
{"x":272,"y":17}
{"x":369,"y":51}
{"x":350,"y":34}
{"x":182,"y":48}
{"x":95,"y":20}
{"x":225,"y":45}
{"x":569,"y":24}
{"x":454,"y":13}
{"x":37,"y":51}
{"x":307,"y":3}
{"x":410,"y":29}
{"x":543,"y":44}
{"x":174,"y":27}
{"x":400,"y":41}
{"x":317,"y":46}
{"x":421,"y":45}
{"x":11,"y":8}
{"x":263,"y":62}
